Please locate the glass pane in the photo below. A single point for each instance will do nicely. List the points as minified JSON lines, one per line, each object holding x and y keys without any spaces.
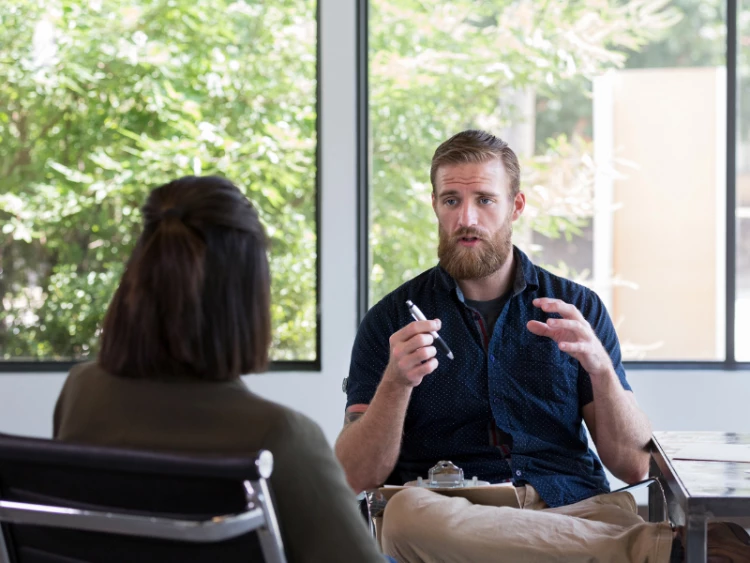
{"x":616,"y":110}
{"x":742,"y":308}
{"x":103,"y":100}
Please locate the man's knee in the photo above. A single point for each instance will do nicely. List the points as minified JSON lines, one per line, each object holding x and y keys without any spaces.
{"x":621,"y":499}
{"x":410,"y":520}
{"x":414,"y":513}
{"x":399,"y":512}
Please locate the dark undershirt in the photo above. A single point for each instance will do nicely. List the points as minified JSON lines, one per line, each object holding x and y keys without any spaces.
{"x":490,"y":310}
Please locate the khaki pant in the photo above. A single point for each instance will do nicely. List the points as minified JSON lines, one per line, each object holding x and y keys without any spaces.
{"x":422,"y":526}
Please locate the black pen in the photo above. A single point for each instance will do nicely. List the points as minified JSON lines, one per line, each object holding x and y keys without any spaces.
{"x":419,"y":316}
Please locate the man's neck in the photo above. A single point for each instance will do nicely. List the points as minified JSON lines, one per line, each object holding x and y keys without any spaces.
{"x":492,"y":286}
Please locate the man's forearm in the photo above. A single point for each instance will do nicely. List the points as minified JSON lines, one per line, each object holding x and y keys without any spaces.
{"x":368,"y":448}
{"x":622,"y":429}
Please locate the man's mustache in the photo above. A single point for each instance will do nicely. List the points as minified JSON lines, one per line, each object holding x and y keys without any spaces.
{"x":468,"y":232}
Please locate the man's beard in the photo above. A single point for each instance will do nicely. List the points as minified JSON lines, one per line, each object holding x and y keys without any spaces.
{"x":487,"y":257}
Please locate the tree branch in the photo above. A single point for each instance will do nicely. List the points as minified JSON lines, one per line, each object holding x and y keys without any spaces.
{"x":23,"y":153}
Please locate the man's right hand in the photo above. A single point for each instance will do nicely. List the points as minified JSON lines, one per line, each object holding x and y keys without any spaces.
{"x":412,"y":354}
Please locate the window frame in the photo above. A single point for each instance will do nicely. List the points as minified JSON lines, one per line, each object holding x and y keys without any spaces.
{"x":730,"y":362}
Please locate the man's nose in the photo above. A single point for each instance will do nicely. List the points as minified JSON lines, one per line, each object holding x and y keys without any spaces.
{"x":468,"y":216}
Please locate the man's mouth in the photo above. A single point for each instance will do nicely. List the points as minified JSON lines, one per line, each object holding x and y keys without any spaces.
{"x":468,"y":241}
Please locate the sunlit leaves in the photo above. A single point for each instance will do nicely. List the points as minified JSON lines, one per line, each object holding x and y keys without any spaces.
{"x":102,"y":101}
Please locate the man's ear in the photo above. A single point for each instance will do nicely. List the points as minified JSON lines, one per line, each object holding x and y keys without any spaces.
{"x":519,"y":204}
{"x":434,"y":202}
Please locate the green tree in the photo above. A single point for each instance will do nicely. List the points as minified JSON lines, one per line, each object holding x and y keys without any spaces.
{"x":102,"y":101}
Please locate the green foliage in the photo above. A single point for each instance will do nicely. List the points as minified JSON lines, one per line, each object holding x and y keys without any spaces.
{"x":102,"y":101}
{"x":440,"y":67}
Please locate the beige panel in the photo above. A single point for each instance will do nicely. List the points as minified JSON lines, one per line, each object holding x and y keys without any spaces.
{"x":665,"y":234}
{"x":743,"y":189}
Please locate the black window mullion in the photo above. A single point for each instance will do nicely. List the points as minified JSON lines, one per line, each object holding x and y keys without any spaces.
{"x":731,"y":178}
{"x":363,"y":159}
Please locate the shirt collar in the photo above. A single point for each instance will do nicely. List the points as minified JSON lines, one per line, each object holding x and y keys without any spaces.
{"x":525,"y":276}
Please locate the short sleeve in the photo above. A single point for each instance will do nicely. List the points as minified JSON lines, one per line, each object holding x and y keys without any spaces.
{"x":370,"y":355}
{"x":597,"y":316}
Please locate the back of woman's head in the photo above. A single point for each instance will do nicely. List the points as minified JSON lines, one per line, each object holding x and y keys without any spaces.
{"x":194,"y":298}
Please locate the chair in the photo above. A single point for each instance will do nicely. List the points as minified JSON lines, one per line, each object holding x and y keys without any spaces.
{"x":67,"y":503}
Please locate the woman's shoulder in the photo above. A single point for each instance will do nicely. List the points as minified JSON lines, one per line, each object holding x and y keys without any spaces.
{"x":285,"y":431}
{"x":86,"y":370}
{"x":85,"y":374}
{"x":79,"y":395}
{"x":286,"y":422}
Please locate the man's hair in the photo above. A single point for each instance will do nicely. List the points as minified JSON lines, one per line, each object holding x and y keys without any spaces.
{"x":474,"y":146}
{"x":194,"y":300}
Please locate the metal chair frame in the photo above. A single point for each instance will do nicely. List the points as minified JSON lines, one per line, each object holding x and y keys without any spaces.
{"x":259,"y":516}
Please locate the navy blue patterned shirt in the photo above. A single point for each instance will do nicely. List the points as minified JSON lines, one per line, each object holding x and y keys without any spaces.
{"x":509,"y":406}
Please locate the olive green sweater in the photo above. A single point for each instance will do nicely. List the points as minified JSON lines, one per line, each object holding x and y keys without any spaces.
{"x":316,"y":509}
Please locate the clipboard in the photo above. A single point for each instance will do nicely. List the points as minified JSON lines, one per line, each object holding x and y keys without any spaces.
{"x":501,"y":494}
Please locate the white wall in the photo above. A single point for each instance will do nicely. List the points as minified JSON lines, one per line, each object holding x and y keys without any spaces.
{"x":675,"y":400}
{"x":694,"y":400}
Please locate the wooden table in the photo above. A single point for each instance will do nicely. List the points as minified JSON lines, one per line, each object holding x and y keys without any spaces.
{"x":697,"y":491}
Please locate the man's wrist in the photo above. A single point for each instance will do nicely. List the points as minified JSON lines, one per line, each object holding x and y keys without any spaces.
{"x":604,"y":380}
{"x":395,"y":381}
{"x":395,"y":387}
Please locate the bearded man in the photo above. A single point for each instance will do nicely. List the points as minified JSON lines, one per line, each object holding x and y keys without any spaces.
{"x":536,"y":356}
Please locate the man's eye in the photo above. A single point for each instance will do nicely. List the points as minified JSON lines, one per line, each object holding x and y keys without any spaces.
{"x":450,"y":202}
{"x":485,"y":201}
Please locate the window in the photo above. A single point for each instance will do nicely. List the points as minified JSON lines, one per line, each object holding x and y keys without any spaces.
{"x":103,"y":100}
{"x":618,"y":112}
{"x":742,"y":231}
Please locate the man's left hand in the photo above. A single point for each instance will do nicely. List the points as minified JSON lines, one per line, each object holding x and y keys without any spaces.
{"x":573,"y":335}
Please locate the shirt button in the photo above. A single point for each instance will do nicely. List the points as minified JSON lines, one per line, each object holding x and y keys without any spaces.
{"x":492,"y":358}
{"x":518,"y":472}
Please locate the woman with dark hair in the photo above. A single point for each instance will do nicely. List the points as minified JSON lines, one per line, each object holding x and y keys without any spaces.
{"x":190,"y":316}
